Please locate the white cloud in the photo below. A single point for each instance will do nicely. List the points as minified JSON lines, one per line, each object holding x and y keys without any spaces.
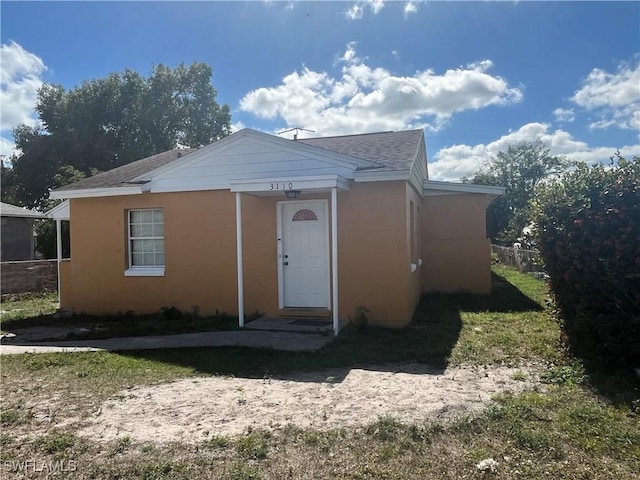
{"x":614,"y":97}
{"x":564,"y":114}
{"x":457,"y":161}
{"x":410,"y":8}
{"x":364,"y":99}
{"x":237,"y":126}
{"x":19,"y":83}
{"x":356,"y":12}
{"x":7,"y":148}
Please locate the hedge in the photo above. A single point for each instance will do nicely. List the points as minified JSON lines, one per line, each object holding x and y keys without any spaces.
{"x":588,"y":234}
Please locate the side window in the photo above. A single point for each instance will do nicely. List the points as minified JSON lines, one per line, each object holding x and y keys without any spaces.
{"x":146,"y":238}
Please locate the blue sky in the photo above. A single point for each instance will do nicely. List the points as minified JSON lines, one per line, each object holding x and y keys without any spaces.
{"x":475,"y":75}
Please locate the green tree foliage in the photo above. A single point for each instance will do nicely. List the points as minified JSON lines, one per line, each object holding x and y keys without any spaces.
{"x":109,"y":122}
{"x":518,"y":169}
{"x":588,"y":234}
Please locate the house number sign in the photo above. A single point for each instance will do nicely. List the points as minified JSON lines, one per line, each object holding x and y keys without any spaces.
{"x":282,"y":186}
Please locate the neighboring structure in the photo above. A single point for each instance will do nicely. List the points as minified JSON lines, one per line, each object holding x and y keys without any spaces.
{"x":17,"y":240}
{"x":257,"y":222}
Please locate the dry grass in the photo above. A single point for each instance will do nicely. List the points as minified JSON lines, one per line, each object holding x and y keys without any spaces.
{"x":581,"y":425}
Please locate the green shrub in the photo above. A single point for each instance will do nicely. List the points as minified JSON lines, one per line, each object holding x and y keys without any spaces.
{"x":588,"y":234}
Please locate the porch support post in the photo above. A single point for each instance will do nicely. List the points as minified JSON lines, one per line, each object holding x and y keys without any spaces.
{"x":239,"y":257}
{"x":59,"y":255}
{"x":334,"y":258}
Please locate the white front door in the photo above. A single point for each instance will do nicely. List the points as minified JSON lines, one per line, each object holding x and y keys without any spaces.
{"x":303,"y":253}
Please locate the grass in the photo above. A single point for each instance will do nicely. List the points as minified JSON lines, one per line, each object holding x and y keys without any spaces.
{"x":40,"y":311}
{"x":579,"y":424}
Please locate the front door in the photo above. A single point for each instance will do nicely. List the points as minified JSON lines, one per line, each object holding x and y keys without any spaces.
{"x":303,"y":254}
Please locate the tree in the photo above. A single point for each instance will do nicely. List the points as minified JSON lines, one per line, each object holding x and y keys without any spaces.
{"x":519,"y":169}
{"x":109,"y":122}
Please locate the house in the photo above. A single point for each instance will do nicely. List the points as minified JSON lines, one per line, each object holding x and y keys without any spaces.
{"x":252,"y":222}
{"x":17,"y":236}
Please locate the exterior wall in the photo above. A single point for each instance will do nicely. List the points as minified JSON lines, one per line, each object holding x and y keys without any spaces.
{"x":415,"y":247}
{"x":372,"y":254}
{"x":457,"y":254}
{"x":199,"y":249}
{"x":16,"y":239}
{"x":29,"y":276}
{"x":66,"y":287}
{"x":200,"y":252}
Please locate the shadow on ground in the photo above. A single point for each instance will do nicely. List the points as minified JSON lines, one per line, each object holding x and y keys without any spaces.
{"x":429,"y":340}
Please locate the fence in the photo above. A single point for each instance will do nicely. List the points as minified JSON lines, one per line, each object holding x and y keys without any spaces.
{"x":30,"y":276}
{"x":523,"y":260}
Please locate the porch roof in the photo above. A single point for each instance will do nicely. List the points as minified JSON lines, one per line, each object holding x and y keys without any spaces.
{"x":8,"y":210}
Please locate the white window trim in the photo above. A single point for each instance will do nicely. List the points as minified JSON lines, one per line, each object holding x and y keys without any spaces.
{"x":144,"y":272}
{"x":141,"y":271}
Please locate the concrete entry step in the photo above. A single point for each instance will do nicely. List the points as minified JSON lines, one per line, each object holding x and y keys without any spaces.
{"x":305,"y":312}
{"x":292,"y":324}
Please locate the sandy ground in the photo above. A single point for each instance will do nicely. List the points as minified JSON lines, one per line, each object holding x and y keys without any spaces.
{"x":192,"y":410}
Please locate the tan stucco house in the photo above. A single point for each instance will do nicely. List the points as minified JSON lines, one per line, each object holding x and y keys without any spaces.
{"x":258,"y":222}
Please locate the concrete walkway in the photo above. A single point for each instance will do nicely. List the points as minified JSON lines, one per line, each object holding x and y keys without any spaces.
{"x":288,"y":341}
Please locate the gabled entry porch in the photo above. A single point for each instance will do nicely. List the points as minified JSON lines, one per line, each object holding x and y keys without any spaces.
{"x":307,"y":241}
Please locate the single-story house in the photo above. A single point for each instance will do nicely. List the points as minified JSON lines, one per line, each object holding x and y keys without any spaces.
{"x":255,"y":222}
{"x":17,"y":235}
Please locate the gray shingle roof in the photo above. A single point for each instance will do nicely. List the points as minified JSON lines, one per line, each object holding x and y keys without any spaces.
{"x":8,"y":210}
{"x":118,"y":177}
{"x":395,"y":150}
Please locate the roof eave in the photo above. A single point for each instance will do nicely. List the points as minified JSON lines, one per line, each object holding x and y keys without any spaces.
{"x":438,"y":187}
{"x":96,"y":192}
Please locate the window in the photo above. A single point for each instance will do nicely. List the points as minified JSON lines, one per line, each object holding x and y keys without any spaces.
{"x":146,"y":242}
{"x":304,"y":215}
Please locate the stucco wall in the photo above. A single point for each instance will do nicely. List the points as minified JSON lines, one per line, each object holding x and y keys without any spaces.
{"x":200,"y":236}
{"x":457,"y":254}
{"x":199,"y":245}
{"x":66,"y":287}
{"x":375,"y":254}
{"x":374,"y":262}
{"x":415,"y":254}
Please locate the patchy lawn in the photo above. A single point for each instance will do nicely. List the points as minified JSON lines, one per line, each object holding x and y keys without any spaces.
{"x":574,"y":424}
{"x":34,"y":317}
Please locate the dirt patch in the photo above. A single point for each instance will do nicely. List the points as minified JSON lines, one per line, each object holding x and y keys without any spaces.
{"x":192,"y":410}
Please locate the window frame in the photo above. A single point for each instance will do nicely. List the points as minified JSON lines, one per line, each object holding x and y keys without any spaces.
{"x":143,"y":270}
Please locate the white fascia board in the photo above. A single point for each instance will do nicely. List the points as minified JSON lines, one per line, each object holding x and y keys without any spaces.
{"x":95,"y":192}
{"x":29,"y":214}
{"x":434,"y":187}
{"x":60,"y":212}
{"x":378,"y":176}
{"x":282,"y":184}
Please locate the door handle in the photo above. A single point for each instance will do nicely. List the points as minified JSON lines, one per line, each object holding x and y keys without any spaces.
{"x":286,"y":256}
{"x":286,"y":263}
